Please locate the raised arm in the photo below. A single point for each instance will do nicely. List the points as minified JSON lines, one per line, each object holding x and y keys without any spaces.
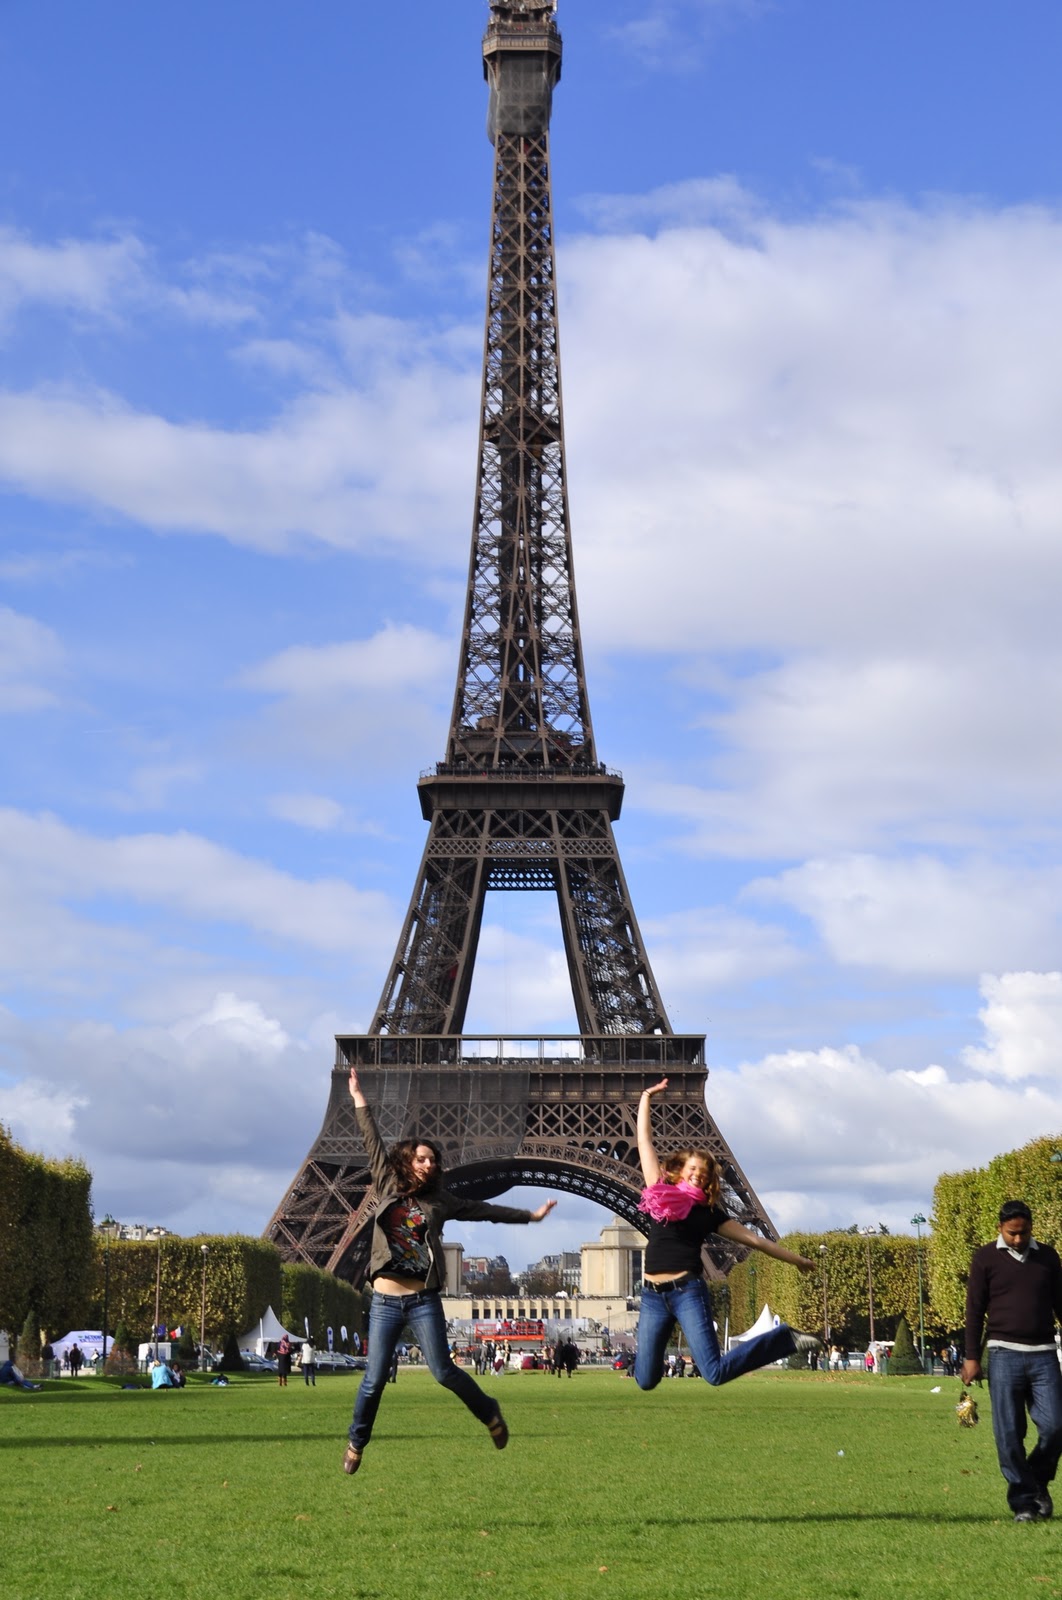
{"x":374,"y":1145}
{"x":647,"y":1155}
{"x":733,"y":1230}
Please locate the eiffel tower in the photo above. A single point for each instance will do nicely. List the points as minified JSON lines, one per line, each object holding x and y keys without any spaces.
{"x":520,"y":802}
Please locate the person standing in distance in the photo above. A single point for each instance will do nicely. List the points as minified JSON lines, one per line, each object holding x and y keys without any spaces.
{"x":1015,"y":1284}
{"x":407,"y":1270}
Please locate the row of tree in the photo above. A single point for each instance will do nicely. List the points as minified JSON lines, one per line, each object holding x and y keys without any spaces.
{"x":851,"y":1265}
{"x":227,"y":1287}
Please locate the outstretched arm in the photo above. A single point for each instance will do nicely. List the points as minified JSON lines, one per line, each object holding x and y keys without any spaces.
{"x":646,"y":1149}
{"x":733,"y":1230}
{"x":461,"y":1210}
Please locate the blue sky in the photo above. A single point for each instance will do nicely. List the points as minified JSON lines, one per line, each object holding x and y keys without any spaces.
{"x":810,"y":257}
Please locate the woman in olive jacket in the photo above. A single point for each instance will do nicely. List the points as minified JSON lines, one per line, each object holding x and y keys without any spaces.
{"x":407,"y":1270}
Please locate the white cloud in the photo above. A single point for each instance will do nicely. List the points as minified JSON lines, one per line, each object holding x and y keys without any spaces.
{"x":307,"y":810}
{"x":828,"y":752}
{"x":387,"y":694}
{"x":397,"y":657}
{"x":836,"y":432}
{"x":666,"y":33}
{"x":923,"y":915}
{"x":698,"y":952}
{"x":82,"y":275}
{"x":30,"y":654}
{"x":831,"y":1136}
{"x":162,"y":1114}
{"x":1022,"y":1018}
{"x":45,"y":859}
{"x":321,"y":814}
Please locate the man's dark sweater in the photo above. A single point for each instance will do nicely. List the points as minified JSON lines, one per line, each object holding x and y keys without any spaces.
{"x":1021,"y":1299}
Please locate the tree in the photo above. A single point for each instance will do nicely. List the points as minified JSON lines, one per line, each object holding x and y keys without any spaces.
{"x":904,"y":1360}
{"x":231,"y":1359}
{"x":29,"y":1346}
{"x":541,"y":1282}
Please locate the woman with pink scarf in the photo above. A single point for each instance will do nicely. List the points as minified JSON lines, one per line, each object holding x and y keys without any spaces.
{"x":681,"y":1199}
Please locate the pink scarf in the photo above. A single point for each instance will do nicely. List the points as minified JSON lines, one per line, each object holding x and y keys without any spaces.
{"x":671,"y":1202}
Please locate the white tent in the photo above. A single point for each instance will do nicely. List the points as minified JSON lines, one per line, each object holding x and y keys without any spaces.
{"x":766,"y":1322}
{"x":89,"y":1341}
{"x":266,"y":1331}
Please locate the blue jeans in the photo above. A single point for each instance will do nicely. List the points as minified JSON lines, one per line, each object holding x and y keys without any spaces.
{"x":1021,"y":1382}
{"x":691,"y":1307}
{"x":388,"y":1315}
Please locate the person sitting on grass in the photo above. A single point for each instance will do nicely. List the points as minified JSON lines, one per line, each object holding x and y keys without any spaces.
{"x":681,"y":1198}
{"x":407,"y":1270}
{"x":12,"y":1377}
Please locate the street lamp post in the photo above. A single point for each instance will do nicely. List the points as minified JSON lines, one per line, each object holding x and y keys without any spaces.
{"x":156,"y":1234}
{"x":106,"y":1227}
{"x":205,"y":1248}
{"x":867,"y":1232}
{"x":608,"y":1328}
{"x":919,"y":1222}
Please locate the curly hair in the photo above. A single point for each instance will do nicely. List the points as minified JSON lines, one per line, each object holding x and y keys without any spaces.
{"x":673,"y":1164}
{"x":400,"y":1159}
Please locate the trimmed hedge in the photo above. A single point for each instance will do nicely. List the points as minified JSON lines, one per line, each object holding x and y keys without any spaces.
{"x":45,"y":1239}
{"x":323,"y":1300}
{"x":966,"y":1215}
{"x":242,"y":1279}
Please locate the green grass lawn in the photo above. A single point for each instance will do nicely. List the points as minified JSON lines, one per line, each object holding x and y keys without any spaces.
{"x":681,"y":1494}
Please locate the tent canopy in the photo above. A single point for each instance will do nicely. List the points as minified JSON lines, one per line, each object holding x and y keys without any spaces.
{"x":90,"y":1341}
{"x":267,"y":1330}
{"x":766,"y":1322}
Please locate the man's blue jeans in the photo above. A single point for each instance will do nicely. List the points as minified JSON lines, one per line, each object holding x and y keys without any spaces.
{"x":691,"y":1307}
{"x":388,"y":1315}
{"x":1021,"y":1382}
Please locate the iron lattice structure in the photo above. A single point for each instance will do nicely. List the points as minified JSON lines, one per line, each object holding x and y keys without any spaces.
{"x":520,"y":802}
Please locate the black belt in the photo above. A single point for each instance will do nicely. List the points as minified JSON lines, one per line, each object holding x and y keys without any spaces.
{"x":661,"y":1286}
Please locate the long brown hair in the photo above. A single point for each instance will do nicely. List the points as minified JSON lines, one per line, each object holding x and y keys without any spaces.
{"x":673,"y":1164}
{"x":400,"y":1160}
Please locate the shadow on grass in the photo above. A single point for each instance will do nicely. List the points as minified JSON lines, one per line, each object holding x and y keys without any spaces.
{"x":98,"y":1440}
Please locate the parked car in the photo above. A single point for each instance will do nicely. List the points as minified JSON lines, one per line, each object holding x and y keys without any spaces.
{"x":331,"y":1361}
{"x":256,"y":1363}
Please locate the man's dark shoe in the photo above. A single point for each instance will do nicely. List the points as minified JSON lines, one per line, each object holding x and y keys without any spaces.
{"x":1045,"y":1506}
{"x":351,"y":1459}
{"x":1026,"y":1516}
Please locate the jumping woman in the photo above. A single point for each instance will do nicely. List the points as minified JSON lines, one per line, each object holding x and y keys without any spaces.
{"x":407,"y":1270}
{"x":681,"y":1198}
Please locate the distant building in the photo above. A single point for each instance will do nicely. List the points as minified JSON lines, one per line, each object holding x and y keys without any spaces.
{"x":612,"y":1265}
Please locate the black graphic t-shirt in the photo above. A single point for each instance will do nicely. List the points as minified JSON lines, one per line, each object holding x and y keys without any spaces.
{"x":405,"y":1227}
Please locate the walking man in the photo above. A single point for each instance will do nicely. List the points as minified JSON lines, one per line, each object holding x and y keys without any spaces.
{"x":1016,"y":1283}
